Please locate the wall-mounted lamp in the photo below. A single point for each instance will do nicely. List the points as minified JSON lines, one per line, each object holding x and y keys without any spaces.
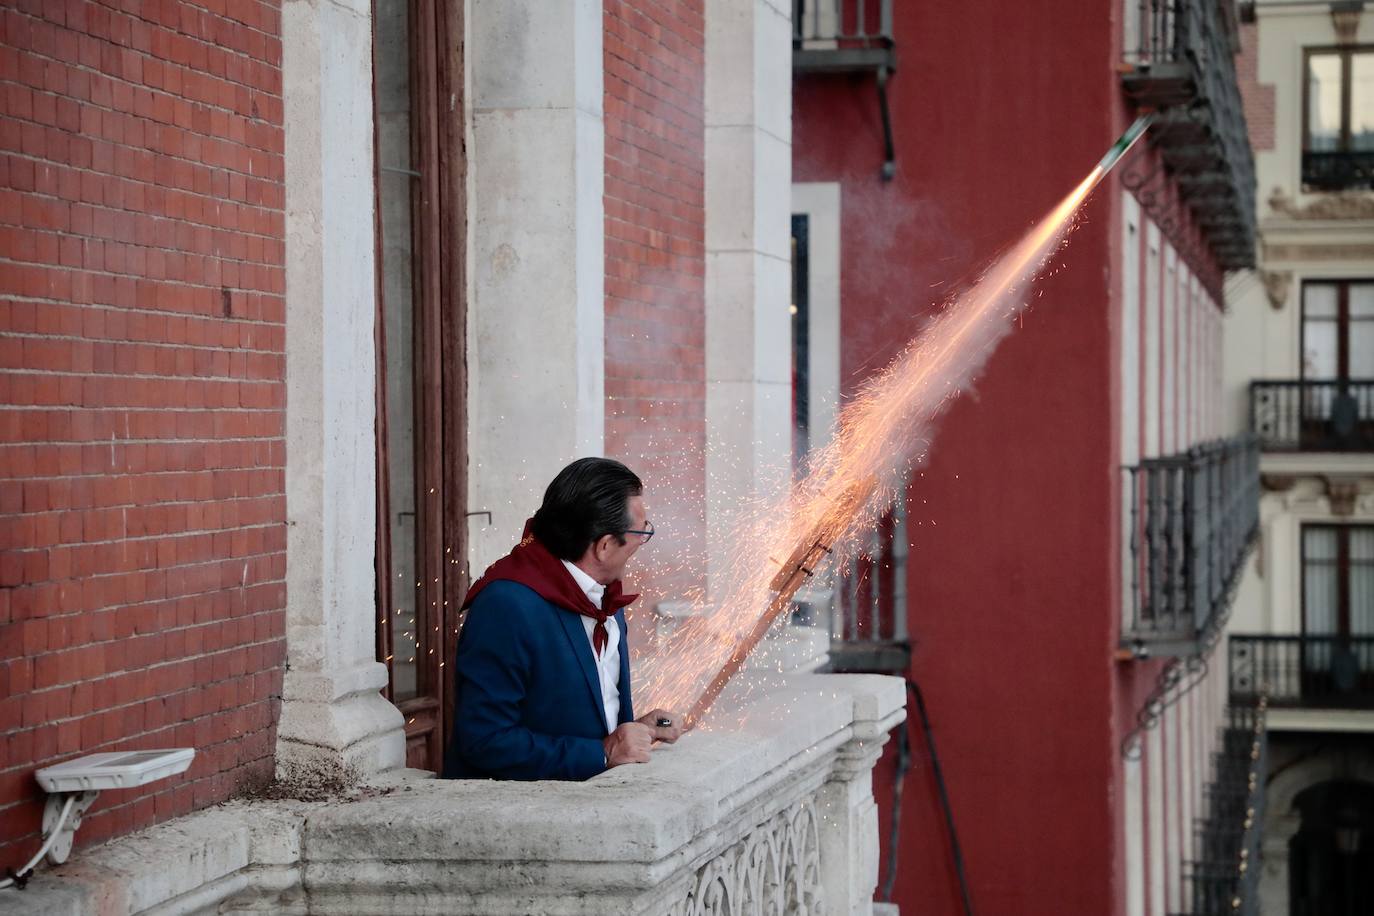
{"x":73,"y":785}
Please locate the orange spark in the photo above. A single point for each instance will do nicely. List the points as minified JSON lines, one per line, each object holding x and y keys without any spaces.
{"x":880,"y":438}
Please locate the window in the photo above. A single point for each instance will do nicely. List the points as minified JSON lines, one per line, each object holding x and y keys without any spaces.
{"x":801,"y":343}
{"x":1338,"y":124}
{"x":1338,"y":612}
{"x":1338,"y":330}
{"x":1338,"y":580}
{"x":1336,"y":405}
{"x":420,"y":573}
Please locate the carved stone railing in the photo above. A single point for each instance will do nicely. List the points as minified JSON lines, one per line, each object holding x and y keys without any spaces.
{"x":769,"y":810}
{"x":776,"y":868}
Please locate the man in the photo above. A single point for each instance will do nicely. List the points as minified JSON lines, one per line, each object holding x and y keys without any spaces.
{"x":543,"y":669}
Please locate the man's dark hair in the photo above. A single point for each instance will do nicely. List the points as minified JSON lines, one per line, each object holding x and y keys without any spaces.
{"x":589,"y":499}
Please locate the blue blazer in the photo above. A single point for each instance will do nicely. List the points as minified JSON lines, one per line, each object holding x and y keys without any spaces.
{"x":527,"y":701}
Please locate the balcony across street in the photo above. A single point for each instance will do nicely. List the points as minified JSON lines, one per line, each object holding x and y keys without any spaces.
{"x":1300,"y":671}
{"x":847,"y":37}
{"x":1228,"y":835}
{"x":1342,"y":171}
{"x":1193,"y":518}
{"x":1182,"y":61}
{"x":1322,"y":415}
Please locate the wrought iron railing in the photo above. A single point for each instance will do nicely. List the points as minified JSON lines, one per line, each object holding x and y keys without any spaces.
{"x":1329,"y":415}
{"x":868,"y":625}
{"x":1223,"y":874}
{"x":839,"y":25}
{"x":1181,"y":57}
{"x":1338,"y":171}
{"x":1313,"y":672}
{"x":849,"y":36}
{"x":1193,"y":519}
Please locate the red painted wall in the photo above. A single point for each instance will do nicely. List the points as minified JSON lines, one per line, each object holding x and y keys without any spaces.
{"x":999,"y":111}
{"x":142,"y":539}
{"x":655,"y":275}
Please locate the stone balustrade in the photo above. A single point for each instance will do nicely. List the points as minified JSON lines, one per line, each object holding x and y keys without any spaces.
{"x":770,"y":811}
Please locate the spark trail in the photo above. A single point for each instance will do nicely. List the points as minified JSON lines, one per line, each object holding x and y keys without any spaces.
{"x":881,"y":436}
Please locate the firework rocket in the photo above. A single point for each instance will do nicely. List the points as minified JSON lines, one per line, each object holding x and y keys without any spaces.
{"x":1125,"y":142}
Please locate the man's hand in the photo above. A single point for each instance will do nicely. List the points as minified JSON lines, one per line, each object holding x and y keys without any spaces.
{"x":665,"y":733}
{"x":629,"y":743}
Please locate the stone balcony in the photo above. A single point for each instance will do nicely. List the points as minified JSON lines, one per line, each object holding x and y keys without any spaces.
{"x":769,"y":808}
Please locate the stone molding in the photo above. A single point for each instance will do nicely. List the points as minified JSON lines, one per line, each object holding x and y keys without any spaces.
{"x":1342,"y":493}
{"x":1277,"y":284}
{"x":1278,"y":483}
{"x":774,"y":816}
{"x":1328,"y":206}
{"x":1353,"y":251}
{"x":1339,"y":495}
{"x":1345,"y":19}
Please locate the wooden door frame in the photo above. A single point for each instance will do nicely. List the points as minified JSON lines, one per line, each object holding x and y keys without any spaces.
{"x":438,"y":222}
{"x":453,"y":339}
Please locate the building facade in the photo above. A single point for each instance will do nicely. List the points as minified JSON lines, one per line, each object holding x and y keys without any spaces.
{"x":1299,"y":357}
{"x":303,"y":305}
{"x":1059,"y":627}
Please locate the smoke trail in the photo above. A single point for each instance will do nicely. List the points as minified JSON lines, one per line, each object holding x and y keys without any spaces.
{"x":881,"y":436}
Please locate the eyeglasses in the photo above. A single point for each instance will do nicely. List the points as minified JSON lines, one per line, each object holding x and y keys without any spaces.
{"x":646,"y":534}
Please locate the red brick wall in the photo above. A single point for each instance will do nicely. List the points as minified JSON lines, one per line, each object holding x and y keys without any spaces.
{"x":142,"y":540}
{"x":655,"y":265}
{"x":1257,"y":97}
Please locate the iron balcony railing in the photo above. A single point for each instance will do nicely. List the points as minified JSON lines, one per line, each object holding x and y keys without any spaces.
{"x":1193,"y":518}
{"x":1223,"y":873}
{"x":841,"y":35}
{"x":1311,"y":672}
{"x":1180,"y":57}
{"x":867,"y":605}
{"x":1338,"y":171}
{"x":1328,"y":415}
{"x":849,"y":36}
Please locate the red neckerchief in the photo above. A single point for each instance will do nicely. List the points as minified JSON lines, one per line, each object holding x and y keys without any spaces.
{"x":531,"y":564}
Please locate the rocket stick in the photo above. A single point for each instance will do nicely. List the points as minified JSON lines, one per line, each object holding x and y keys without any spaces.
{"x":808,"y":554}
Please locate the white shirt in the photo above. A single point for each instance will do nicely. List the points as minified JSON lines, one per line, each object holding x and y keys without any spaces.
{"x":608,"y":665}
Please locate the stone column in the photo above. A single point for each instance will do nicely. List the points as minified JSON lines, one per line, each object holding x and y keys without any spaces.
{"x":536,"y":316}
{"x":748,"y":260}
{"x":333,"y":720}
{"x":848,"y":814}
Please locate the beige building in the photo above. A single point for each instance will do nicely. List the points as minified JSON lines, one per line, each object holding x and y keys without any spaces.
{"x":1300,"y":374}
